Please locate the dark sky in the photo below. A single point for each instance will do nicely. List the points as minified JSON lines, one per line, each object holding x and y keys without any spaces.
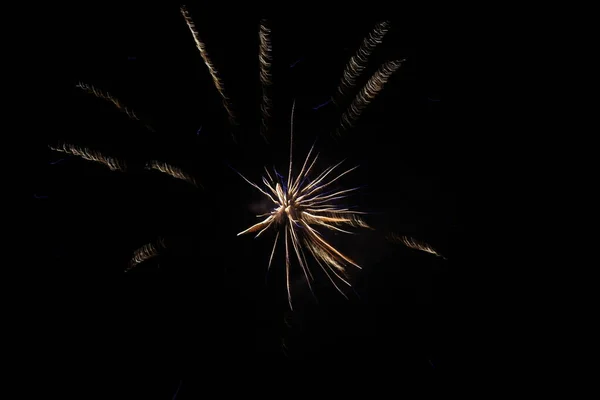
{"x":201,"y":314}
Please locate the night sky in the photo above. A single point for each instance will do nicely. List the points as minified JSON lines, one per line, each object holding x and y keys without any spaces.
{"x":204,"y":315}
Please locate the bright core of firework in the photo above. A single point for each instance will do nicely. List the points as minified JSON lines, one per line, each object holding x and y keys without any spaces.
{"x":300,"y":206}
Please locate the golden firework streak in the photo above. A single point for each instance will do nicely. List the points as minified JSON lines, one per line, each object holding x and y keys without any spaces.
{"x":367,"y":94}
{"x":116,"y":102}
{"x":358,"y":62}
{"x":171,"y":170}
{"x":265,"y":61}
{"x":300,"y":205}
{"x":91,"y":155}
{"x":211,"y":69}
{"x":144,"y":253}
{"x":415,"y":244}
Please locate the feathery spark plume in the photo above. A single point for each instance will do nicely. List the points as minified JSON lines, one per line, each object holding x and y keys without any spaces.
{"x":301,"y":205}
{"x":367,"y":94}
{"x":171,"y":170}
{"x":358,"y":62}
{"x":211,"y":69}
{"x":265,"y":61}
{"x":146,"y":252}
{"x":412,"y":243}
{"x":116,"y":102}
{"x":91,"y":155}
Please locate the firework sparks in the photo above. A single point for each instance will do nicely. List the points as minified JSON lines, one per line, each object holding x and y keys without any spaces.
{"x":91,"y":155}
{"x":301,"y":205}
{"x":414,"y":244}
{"x":265,"y":61}
{"x":146,"y":252}
{"x":116,"y":102}
{"x":211,"y":69}
{"x":358,"y":62}
{"x":171,"y":170}
{"x":367,"y":94}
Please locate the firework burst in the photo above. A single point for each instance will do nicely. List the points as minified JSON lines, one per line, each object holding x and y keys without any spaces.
{"x":300,"y":205}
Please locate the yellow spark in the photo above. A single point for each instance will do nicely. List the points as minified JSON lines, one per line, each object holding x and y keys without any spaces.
{"x":358,"y":62}
{"x":91,"y":155}
{"x":367,"y":94}
{"x":146,"y":252}
{"x":265,"y":61}
{"x":414,"y":244}
{"x":211,"y":68}
{"x":171,"y":170}
{"x":108,"y":97}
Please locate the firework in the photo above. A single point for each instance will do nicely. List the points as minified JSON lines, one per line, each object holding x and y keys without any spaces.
{"x":146,"y":252}
{"x":367,"y":94}
{"x":265,"y":60}
{"x":358,"y":62}
{"x":171,"y":170}
{"x":211,"y":69}
{"x":116,"y":102}
{"x":300,"y":206}
{"x":91,"y":155}
{"x":415,"y":244}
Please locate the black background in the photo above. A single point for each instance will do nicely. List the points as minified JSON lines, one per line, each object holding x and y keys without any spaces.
{"x":202,"y":316}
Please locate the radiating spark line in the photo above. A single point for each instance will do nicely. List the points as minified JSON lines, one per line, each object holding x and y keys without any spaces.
{"x":171,"y":170}
{"x":415,"y":244}
{"x":177,"y":391}
{"x":284,"y":348}
{"x":299,"y":208}
{"x":57,"y":161}
{"x":116,"y":102}
{"x":287,"y":268}
{"x":322,"y":105}
{"x":91,"y":155}
{"x":367,"y":94}
{"x":144,"y":253}
{"x":358,"y":62}
{"x":273,"y":251}
{"x":211,"y":69}
{"x":292,"y":65}
{"x":291,"y":141}
{"x":265,"y":61}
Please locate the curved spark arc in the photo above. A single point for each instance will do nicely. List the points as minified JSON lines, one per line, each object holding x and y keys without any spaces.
{"x":358,"y":62}
{"x":146,"y":252}
{"x":299,"y":208}
{"x":367,"y":94}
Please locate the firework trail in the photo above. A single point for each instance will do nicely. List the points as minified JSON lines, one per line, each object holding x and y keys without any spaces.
{"x":145,"y":252}
{"x":415,"y":244}
{"x":91,"y":155}
{"x":116,"y":102}
{"x":265,"y":61}
{"x":358,"y":62}
{"x":211,"y":69}
{"x":367,"y":94}
{"x":300,"y":205}
{"x":171,"y":170}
